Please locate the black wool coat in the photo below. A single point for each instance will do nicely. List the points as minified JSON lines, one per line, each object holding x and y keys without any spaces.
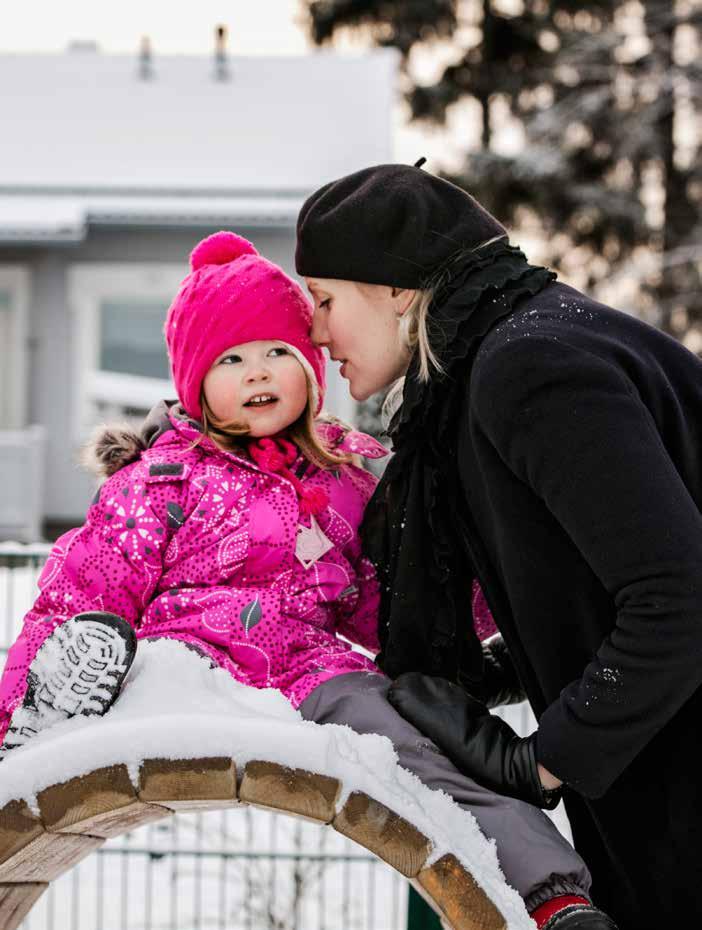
{"x":579,"y":447}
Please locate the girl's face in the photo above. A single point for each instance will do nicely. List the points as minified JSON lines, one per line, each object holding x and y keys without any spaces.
{"x":259,"y":384}
{"x":359,"y":325}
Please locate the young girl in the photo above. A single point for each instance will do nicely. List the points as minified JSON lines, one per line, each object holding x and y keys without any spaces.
{"x":232,"y":526}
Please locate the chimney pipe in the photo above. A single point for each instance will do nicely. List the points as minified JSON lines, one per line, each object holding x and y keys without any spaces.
{"x":146,"y":68}
{"x":221,"y":72}
{"x":83,"y":47}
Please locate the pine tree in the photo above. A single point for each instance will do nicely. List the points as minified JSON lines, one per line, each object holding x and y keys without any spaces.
{"x":607,"y":96}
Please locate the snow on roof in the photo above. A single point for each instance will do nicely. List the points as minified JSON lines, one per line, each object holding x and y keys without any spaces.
{"x":174,"y":706}
{"x":64,"y":218}
{"x":277,"y":124}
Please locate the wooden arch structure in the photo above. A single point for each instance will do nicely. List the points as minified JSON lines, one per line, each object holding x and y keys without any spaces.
{"x":77,"y":816}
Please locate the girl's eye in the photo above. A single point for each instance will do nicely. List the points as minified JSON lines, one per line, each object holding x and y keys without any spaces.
{"x":278,"y":350}
{"x":324,"y":303}
{"x":230,"y":359}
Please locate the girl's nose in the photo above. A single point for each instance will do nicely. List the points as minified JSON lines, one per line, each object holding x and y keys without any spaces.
{"x":257,"y":373}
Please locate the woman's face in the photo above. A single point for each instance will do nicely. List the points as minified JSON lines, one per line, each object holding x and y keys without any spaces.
{"x":258,"y":384}
{"x":359,"y":326}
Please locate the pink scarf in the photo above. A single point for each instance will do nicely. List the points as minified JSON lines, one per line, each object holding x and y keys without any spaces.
{"x":276,"y":454}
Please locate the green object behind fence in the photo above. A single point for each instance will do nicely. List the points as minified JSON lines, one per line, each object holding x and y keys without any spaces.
{"x":419,"y":915}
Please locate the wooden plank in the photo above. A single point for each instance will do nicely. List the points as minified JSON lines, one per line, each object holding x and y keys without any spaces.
{"x":188,"y":784}
{"x":47,"y":857}
{"x":17,"y":900}
{"x":383,"y":832}
{"x":18,"y":828}
{"x":102,"y":803}
{"x":295,"y":791}
{"x":432,"y":903}
{"x":463,"y":903}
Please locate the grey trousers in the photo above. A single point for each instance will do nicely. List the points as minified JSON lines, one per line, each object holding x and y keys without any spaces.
{"x":534,"y":857}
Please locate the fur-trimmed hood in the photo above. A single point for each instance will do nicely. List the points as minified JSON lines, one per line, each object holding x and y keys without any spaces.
{"x":114,"y":445}
{"x":111,"y":447}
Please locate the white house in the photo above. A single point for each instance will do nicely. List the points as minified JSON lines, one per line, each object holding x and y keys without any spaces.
{"x":111,"y":168}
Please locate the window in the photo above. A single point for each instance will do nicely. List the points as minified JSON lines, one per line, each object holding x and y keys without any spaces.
{"x":121,"y":366}
{"x":131,"y":338}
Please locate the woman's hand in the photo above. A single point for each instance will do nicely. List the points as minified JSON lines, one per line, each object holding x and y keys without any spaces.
{"x":479,"y":744}
{"x":500,"y":683}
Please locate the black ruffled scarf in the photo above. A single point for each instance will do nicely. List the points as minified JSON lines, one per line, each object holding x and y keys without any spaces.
{"x":410,"y":528}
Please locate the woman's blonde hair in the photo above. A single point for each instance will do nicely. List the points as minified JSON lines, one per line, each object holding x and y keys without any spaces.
{"x":303,"y":432}
{"x":416,"y":335}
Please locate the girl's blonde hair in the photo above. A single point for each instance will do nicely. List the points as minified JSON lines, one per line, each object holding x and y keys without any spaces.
{"x":303,"y":432}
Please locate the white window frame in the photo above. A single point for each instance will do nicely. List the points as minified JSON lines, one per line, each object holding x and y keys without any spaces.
{"x":15,"y":279}
{"x":88,"y":286}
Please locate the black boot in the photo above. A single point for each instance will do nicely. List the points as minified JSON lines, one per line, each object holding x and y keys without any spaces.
{"x":79,"y":669}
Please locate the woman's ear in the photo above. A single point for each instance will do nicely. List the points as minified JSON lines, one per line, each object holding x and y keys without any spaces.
{"x":402,"y":297}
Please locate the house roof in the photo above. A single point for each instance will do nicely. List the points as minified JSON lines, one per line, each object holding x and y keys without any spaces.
{"x":87,"y":141}
{"x":56,"y":217}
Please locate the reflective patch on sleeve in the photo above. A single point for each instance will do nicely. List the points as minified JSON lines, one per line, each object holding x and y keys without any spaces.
{"x":167,"y":471}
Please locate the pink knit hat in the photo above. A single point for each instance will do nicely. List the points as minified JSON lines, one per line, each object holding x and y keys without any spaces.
{"x":231,"y":296}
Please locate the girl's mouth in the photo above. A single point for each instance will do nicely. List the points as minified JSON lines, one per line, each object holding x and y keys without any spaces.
{"x":261,"y":400}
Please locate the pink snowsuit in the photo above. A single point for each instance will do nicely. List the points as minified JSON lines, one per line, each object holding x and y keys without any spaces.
{"x":198,"y":544}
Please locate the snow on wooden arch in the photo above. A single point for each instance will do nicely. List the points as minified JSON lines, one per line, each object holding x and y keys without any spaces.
{"x":79,"y":815}
{"x":88,"y":780}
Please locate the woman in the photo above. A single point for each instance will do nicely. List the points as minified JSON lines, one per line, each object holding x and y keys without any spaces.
{"x":550,"y":446}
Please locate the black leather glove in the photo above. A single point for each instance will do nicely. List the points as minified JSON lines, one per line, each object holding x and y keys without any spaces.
{"x":500,"y":683}
{"x":479,"y":744}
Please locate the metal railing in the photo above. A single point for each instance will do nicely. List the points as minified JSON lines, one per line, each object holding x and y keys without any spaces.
{"x":241,"y":868}
{"x":20,"y":567}
{"x":238,"y":869}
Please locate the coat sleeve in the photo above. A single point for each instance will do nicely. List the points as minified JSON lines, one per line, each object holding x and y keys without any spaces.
{"x":572,"y":427}
{"x":112,"y":563}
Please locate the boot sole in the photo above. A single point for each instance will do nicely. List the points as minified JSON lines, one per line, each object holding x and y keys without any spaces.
{"x":79,"y":670}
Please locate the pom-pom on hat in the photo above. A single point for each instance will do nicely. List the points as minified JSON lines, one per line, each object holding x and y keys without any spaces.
{"x":234,"y":295}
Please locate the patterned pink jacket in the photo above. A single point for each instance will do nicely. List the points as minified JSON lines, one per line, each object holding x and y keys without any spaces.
{"x":198,"y":544}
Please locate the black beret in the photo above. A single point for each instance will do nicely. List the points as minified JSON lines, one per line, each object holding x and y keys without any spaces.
{"x":388,"y":224}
